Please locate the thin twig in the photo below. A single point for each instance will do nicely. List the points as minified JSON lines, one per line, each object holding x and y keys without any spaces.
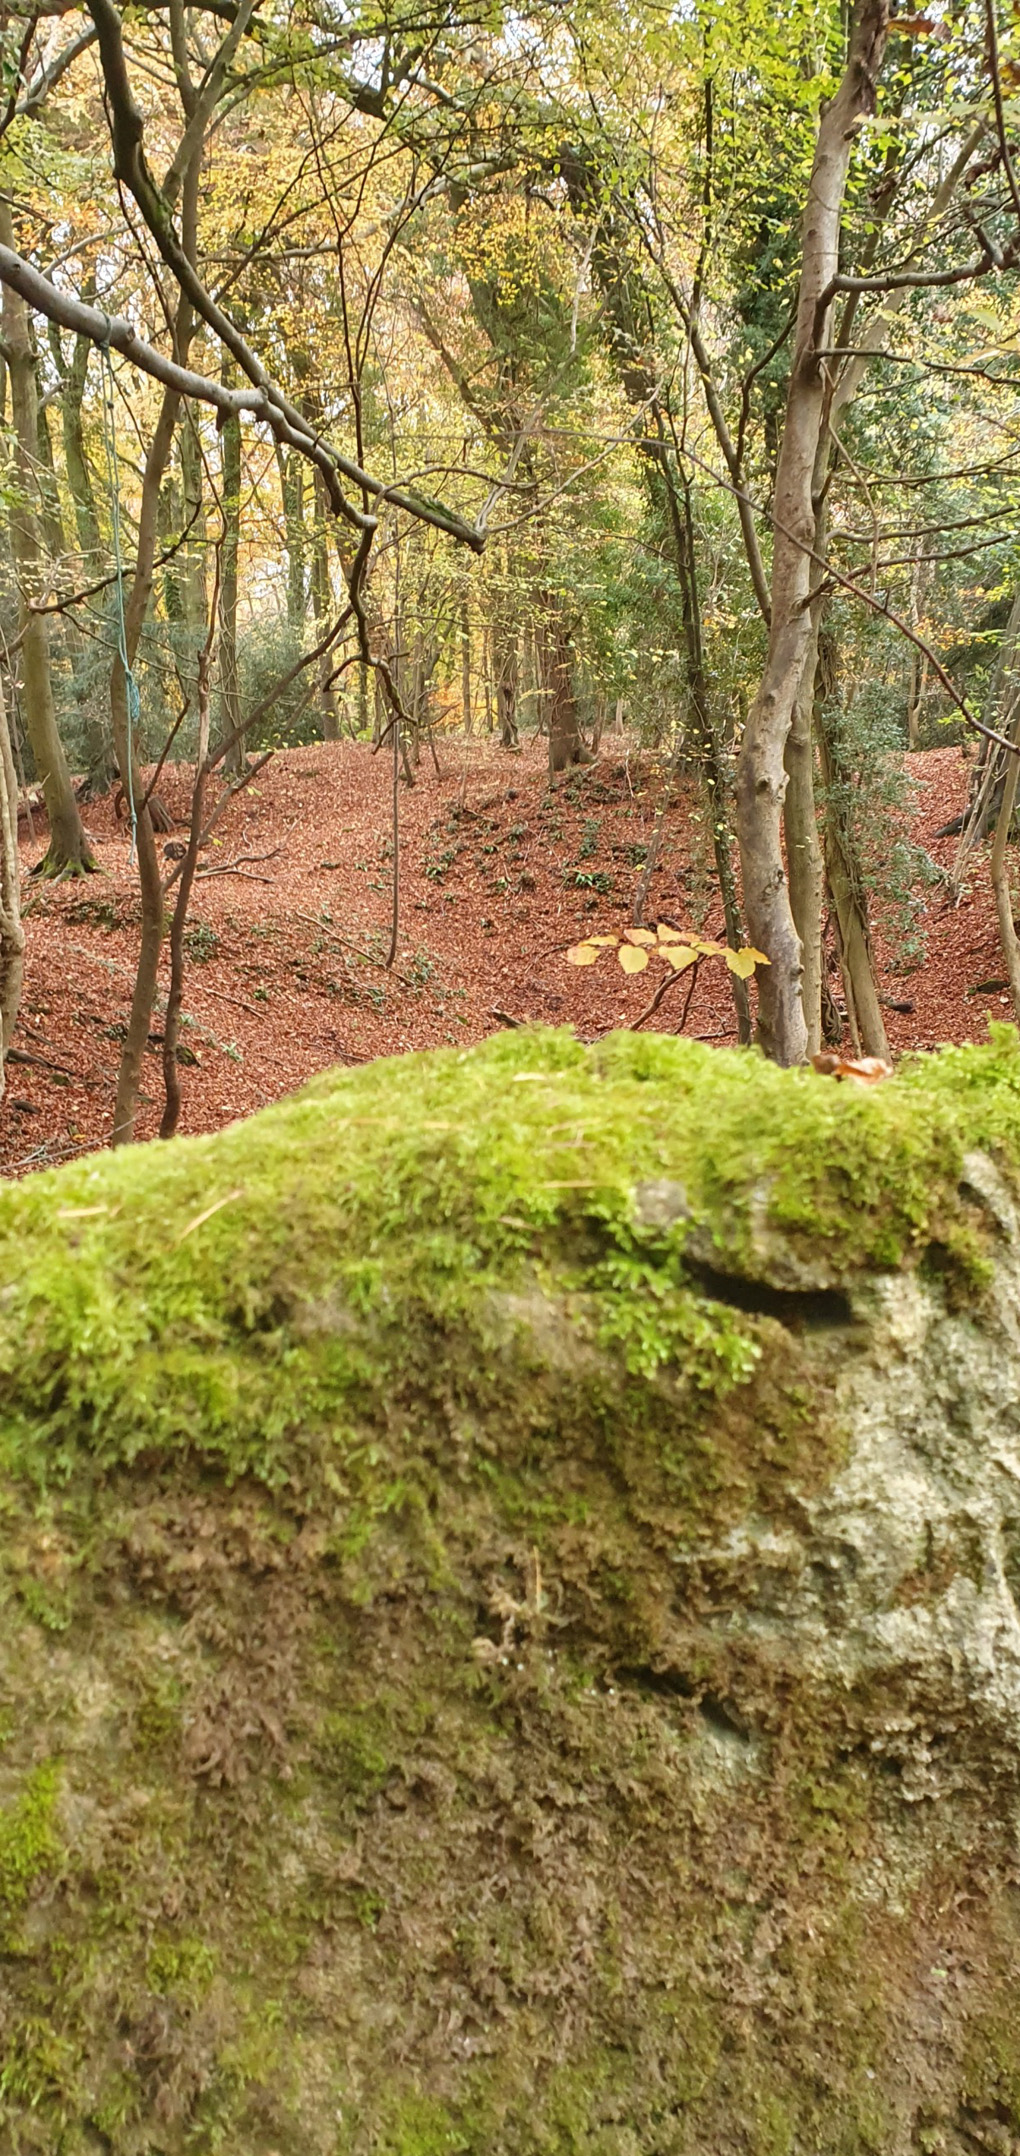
{"x":661,"y":991}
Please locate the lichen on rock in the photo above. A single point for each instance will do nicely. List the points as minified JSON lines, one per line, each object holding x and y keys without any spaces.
{"x":510,"y":1566}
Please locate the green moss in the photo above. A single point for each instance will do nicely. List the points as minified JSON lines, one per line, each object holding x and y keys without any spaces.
{"x":28,"y":1843}
{"x":395,"y":1446}
{"x":992,"y":2066}
{"x":181,"y":1965}
{"x":392,"y":1197}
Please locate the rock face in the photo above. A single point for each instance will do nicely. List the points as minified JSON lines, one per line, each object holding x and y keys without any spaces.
{"x":510,"y":1570}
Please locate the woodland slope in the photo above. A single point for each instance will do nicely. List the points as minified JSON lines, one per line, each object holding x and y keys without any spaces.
{"x":289,"y":929}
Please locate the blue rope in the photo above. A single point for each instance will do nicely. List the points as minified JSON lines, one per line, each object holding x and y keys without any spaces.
{"x":132,"y":696}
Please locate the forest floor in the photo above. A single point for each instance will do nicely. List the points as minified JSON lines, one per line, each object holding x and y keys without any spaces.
{"x":290,"y":926}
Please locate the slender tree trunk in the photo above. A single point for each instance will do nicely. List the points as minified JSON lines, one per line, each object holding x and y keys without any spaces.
{"x":322,"y":605}
{"x":79,"y":478}
{"x":864,"y":1009}
{"x":566,"y":746}
{"x":505,"y":657}
{"x":193,"y":576}
{"x":230,"y":694}
{"x":68,"y":851}
{"x":12,"y":934}
{"x":761,"y":772}
{"x":150,"y":884}
{"x":465,"y":664}
{"x":99,"y":752}
{"x":175,"y":993}
{"x":990,"y":771}
{"x":1000,"y":883}
{"x":705,"y":726}
{"x":804,"y":862}
{"x":292,"y":493}
{"x":51,"y":516}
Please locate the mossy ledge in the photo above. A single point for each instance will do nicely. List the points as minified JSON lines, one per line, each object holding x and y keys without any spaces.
{"x":509,"y":1642}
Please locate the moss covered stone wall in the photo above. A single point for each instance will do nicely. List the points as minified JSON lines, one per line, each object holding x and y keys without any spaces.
{"x":509,"y":1636}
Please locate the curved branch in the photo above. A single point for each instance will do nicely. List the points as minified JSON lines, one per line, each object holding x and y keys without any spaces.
{"x":87,"y":321}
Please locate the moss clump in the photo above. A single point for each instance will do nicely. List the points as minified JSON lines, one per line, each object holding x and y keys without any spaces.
{"x":28,"y":1845}
{"x":404,"y":1553}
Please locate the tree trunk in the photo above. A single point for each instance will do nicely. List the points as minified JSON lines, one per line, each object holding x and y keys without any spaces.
{"x":322,"y":606}
{"x":504,"y":651}
{"x":50,"y":516}
{"x":79,"y":478}
{"x":150,"y":884}
{"x":990,"y":771}
{"x":803,"y":848}
{"x":68,"y":851}
{"x":864,"y":1009}
{"x":292,"y":493}
{"x":1000,"y":884}
{"x":566,"y":746}
{"x":704,"y":721}
{"x":465,"y":664}
{"x":761,"y":771}
{"x":193,"y":579}
{"x":12,"y":934}
{"x":99,"y":752}
{"x":230,"y":695}
{"x":175,"y":994}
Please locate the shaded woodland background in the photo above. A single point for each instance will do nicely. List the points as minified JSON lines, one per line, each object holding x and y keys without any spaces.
{"x":443,"y":387}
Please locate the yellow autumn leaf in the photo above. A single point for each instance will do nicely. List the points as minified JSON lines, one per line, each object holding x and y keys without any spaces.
{"x":582,"y":954}
{"x":744,"y":962}
{"x":639,"y":935}
{"x":602,"y":939}
{"x":707,"y":948}
{"x":632,"y":958}
{"x":679,"y":955}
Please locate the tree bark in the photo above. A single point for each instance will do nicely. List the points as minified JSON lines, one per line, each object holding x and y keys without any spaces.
{"x":465,"y":664}
{"x":68,"y":851}
{"x":101,"y":761}
{"x":292,"y":492}
{"x":230,"y":695}
{"x":136,"y":606}
{"x":761,"y":771}
{"x":864,"y":1008}
{"x":322,"y":605}
{"x":193,"y":579}
{"x":1000,"y":884}
{"x":505,"y":661}
{"x":175,"y":994}
{"x":12,"y":934}
{"x":803,"y":848}
{"x":566,"y":746}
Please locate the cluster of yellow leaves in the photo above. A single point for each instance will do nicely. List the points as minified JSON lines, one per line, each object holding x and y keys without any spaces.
{"x":637,"y":945}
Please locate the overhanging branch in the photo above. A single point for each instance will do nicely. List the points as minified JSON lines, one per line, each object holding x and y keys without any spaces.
{"x":68,"y":313}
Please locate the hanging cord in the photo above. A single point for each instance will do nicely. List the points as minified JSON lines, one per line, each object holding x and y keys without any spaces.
{"x":132,"y":697}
